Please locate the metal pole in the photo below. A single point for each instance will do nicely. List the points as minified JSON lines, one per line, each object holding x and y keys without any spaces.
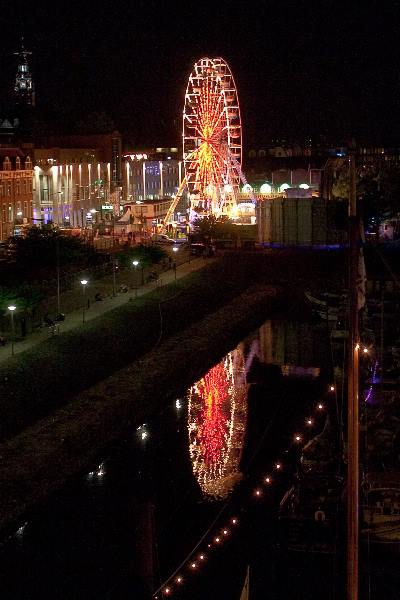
{"x":58,"y":277}
{"x":114,"y":283}
{"x":84,"y":301}
{"x":136,"y":282}
{"x":12,"y":333}
{"x":352,"y":393}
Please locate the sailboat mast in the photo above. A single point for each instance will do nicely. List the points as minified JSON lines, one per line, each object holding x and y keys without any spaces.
{"x":353,"y":394}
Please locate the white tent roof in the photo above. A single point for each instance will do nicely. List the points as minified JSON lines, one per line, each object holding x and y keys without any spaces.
{"x":126,"y":217}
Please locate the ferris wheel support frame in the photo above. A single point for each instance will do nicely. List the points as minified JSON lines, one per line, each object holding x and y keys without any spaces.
{"x":173,"y":204}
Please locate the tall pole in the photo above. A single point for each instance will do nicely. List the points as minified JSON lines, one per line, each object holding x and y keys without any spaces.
{"x":352,"y":393}
{"x":175,"y":251}
{"x":11,"y":308}
{"x":114,"y":283}
{"x":135,"y":266}
{"x":58,"y":277}
{"x":84,"y":283}
{"x":12,"y":333}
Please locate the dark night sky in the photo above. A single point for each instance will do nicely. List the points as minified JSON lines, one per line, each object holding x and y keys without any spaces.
{"x":301,"y":68}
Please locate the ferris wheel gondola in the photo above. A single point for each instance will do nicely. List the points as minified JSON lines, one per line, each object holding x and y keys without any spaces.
{"x":212,"y":138}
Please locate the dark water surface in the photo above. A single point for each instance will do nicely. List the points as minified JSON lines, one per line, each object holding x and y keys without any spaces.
{"x":125,"y":526}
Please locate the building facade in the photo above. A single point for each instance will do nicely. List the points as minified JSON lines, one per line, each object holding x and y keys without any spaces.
{"x":153,"y":174}
{"x":77,"y":180}
{"x":145,"y":217}
{"x":70,"y":191}
{"x":16,"y":207}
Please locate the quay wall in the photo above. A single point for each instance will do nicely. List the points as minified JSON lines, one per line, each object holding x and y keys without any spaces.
{"x":44,"y":456}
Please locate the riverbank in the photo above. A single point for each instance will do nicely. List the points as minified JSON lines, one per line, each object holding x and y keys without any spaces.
{"x":131,"y":361}
{"x":38,"y":381}
{"x":44,"y":456}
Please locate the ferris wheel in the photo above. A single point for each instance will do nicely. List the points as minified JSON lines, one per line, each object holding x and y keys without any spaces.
{"x":212,"y":138}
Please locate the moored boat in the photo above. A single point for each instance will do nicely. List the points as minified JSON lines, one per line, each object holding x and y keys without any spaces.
{"x":381,"y":510}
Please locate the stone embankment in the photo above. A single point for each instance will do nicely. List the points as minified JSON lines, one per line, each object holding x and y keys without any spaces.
{"x":63,"y":404}
{"x":44,"y":456}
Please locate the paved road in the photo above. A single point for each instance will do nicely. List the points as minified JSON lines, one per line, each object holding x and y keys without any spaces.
{"x":75,"y":318}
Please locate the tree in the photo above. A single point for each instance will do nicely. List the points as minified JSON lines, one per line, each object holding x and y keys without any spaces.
{"x":378,"y":189}
{"x":212,"y":227}
{"x":207,"y":226}
{"x":45,"y":248}
{"x":25,"y":297}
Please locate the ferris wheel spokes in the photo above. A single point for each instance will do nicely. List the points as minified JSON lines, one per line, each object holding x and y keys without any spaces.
{"x":211,"y":126}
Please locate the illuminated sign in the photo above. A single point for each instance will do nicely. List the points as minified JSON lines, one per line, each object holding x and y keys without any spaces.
{"x":106,"y":207}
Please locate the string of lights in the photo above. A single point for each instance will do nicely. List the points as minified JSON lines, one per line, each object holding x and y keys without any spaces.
{"x":217,"y":536}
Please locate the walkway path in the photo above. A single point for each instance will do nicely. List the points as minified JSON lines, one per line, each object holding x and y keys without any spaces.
{"x":75,"y":318}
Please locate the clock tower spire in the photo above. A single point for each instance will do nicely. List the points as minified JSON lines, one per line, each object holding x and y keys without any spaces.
{"x":24,"y":89}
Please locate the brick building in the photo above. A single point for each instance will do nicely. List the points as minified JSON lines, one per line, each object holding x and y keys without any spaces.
{"x":16,"y":176}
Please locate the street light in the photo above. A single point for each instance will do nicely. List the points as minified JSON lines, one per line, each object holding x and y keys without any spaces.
{"x":141,"y":218}
{"x":11,"y":308}
{"x":84,"y":283}
{"x":135,"y":265}
{"x":114,"y":276}
{"x":175,"y":250}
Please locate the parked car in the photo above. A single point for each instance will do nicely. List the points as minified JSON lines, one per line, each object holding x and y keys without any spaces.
{"x":201,"y":249}
{"x":161,"y":238}
{"x":197,"y":248}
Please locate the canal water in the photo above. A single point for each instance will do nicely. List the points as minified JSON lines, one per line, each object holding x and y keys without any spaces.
{"x":181,"y":502}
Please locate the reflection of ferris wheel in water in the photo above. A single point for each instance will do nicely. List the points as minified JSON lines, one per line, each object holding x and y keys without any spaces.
{"x":212,"y":138}
{"x":217,"y":412}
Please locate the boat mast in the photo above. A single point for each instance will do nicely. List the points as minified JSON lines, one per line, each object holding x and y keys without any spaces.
{"x":353,"y":392}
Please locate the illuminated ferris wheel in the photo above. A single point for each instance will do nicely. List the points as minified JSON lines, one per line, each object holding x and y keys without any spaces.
{"x":212,"y":138}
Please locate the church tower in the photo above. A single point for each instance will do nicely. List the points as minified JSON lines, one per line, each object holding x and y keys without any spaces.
{"x":24,"y":90}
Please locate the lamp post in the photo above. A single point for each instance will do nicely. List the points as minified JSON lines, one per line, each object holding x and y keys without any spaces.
{"x":12,"y":308}
{"x":135,"y":265}
{"x":175,"y":250}
{"x":58,"y":275}
{"x":84,"y":283}
{"x":93,"y":212}
{"x":141,"y":219}
{"x":114,"y":276}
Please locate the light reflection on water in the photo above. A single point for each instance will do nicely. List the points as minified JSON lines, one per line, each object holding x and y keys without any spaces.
{"x":217,"y":413}
{"x":192,"y":449}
